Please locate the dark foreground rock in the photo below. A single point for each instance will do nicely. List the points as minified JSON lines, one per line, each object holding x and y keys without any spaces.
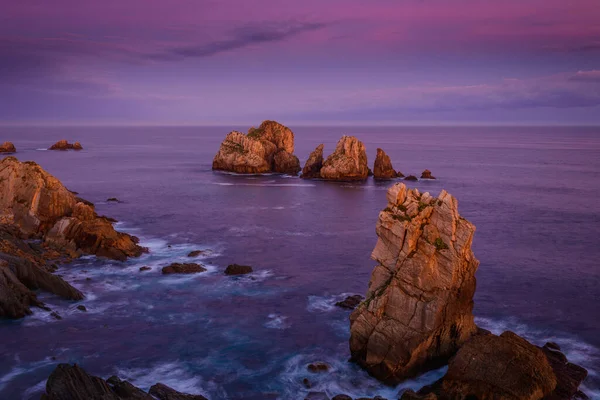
{"x":236,"y":269}
{"x":7,"y":147}
{"x":505,"y":367}
{"x":183,"y":268}
{"x":350,"y":302}
{"x":268,"y":148}
{"x":383,"y":169}
{"x":64,"y":145}
{"x":71,"y":382}
{"x":418,"y":308}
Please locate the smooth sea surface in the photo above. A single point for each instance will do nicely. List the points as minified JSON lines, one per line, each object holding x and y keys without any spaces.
{"x":532,"y":192}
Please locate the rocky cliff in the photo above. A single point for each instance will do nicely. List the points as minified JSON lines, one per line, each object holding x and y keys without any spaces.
{"x":348,"y":162}
{"x":268,"y":148}
{"x":418,"y":308}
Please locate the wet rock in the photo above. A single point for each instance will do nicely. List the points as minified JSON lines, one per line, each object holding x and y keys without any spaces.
{"x":568,"y":376}
{"x":268,"y":148}
{"x":418,"y":308}
{"x":64,"y":145}
{"x":318,"y":366}
{"x":427,"y":175}
{"x":81,"y":308}
{"x":341,"y":397}
{"x":145,"y":268}
{"x":7,"y":147}
{"x":15,"y":298}
{"x":306,"y":383}
{"x":312,"y":167}
{"x":383,"y":168}
{"x":55,"y":315}
{"x":236,"y":269}
{"x":350,"y":302}
{"x":185,"y":268}
{"x":113,"y":200}
{"x":316,"y":396}
{"x":163,"y":392}
{"x":196,"y":253}
{"x":348,"y":162}
{"x":125,"y":390}
{"x":411,"y":178}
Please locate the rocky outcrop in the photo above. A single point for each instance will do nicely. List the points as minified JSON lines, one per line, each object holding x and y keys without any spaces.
{"x":71,"y":382}
{"x":185,"y":268}
{"x":268,"y":148}
{"x":236,"y":269}
{"x":418,"y":308}
{"x":312,"y":167}
{"x":505,"y":367}
{"x":7,"y":147}
{"x":427,"y":175}
{"x":383,"y":169}
{"x":348,"y":162}
{"x":350,"y":302}
{"x":64,"y":145}
{"x":40,"y":206}
{"x":411,"y":178}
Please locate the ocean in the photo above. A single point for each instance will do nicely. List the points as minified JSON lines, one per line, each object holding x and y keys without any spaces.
{"x":532,"y":192}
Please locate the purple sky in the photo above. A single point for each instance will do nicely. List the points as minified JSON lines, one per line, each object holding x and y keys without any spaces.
{"x":309,"y":61}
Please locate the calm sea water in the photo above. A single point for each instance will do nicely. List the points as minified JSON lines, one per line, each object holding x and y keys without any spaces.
{"x":532,"y":193}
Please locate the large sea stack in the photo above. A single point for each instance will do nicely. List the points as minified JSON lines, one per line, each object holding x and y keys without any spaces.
{"x":268,"y":148}
{"x":348,"y":162}
{"x":418,"y":308}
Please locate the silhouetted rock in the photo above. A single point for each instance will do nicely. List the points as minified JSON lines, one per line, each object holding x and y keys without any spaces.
{"x":163,"y":392}
{"x":64,"y":145}
{"x":427,"y":175}
{"x":312,"y":167}
{"x":383,"y":168}
{"x":145,"y":268}
{"x":418,"y":309}
{"x":411,"y":178}
{"x":348,"y":162}
{"x":268,"y":148}
{"x":112,"y":200}
{"x":399,"y":174}
{"x":81,"y":308}
{"x":7,"y":147}
{"x":568,"y":376}
{"x":196,"y":253}
{"x":350,"y":302}
{"x":236,"y":269}
{"x":185,"y":268}
{"x":341,"y":397}
{"x":316,"y":396}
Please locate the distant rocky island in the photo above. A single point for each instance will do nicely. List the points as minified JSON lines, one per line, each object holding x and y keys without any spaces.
{"x":270,"y":149}
{"x":65,"y":145}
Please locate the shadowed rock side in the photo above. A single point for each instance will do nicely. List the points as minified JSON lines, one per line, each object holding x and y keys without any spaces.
{"x":505,"y":367}
{"x":268,"y":148}
{"x":348,"y":162}
{"x":70,"y":382}
{"x":427,"y":175}
{"x":418,"y":308}
{"x":64,"y":145}
{"x":7,"y":147}
{"x":383,"y":169}
{"x":312,"y":167}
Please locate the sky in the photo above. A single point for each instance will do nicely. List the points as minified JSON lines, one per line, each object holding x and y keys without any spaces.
{"x":310,"y":61}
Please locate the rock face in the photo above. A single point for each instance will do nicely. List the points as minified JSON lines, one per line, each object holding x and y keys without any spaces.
{"x":418,"y":308}
{"x":7,"y":147}
{"x":427,"y":175}
{"x":64,"y":145}
{"x":70,"y":382}
{"x":348,"y":162}
{"x":40,"y":206}
{"x":312,"y":167}
{"x":383,"y":168}
{"x":505,"y":367}
{"x":268,"y":148}
{"x":350,"y":302}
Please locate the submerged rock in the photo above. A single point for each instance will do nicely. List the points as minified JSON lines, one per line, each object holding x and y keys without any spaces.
{"x":71,"y":382}
{"x":312,"y":167}
{"x":348,"y":162}
{"x":64,"y":145}
{"x":350,"y":302}
{"x":196,"y":253}
{"x":145,"y":268}
{"x":418,"y":308}
{"x":112,"y":200}
{"x":185,"y":268}
{"x":268,"y":148}
{"x":236,"y":269}
{"x":7,"y":147}
{"x":318,"y":366}
{"x":383,"y":169}
{"x":427,"y":175}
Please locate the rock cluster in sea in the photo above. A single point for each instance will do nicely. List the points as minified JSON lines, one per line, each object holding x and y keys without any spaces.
{"x":65,"y":145}
{"x":35,"y":205}
{"x":417,"y":314}
{"x":268,"y":148}
{"x":7,"y":147}
{"x":71,"y":382}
